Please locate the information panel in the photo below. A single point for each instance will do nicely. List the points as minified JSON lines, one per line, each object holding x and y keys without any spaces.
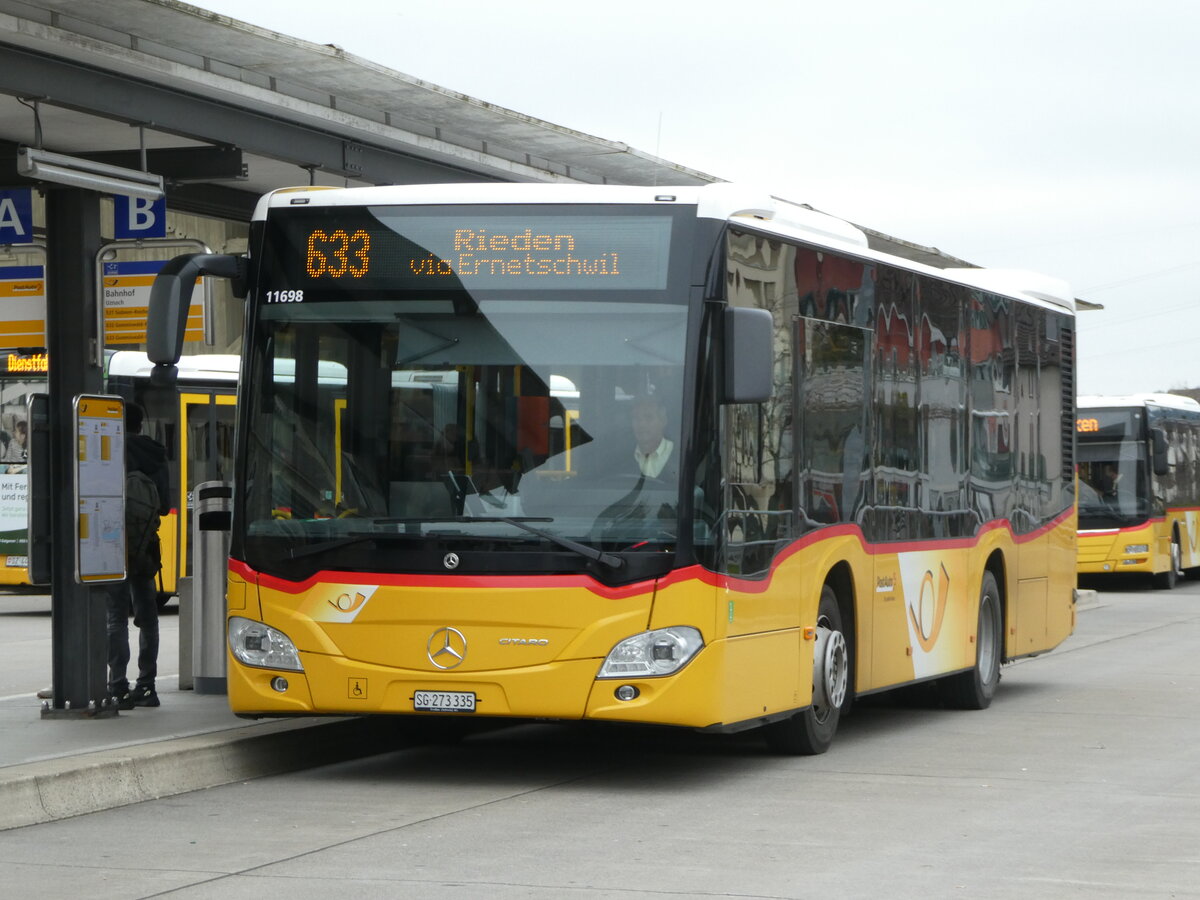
{"x":23,"y":302}
{"x":125,"y":273}
{"x":126,"y":287}
{"x":100,"y":488}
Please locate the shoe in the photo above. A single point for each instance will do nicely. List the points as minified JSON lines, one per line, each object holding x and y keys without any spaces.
{"x":125,"y":700}
{"x":46,"y":694}
{"x":140,"y":696}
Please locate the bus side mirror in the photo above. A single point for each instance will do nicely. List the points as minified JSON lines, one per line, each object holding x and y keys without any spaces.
{"x":1158,"y":451}
{"x":171,"y":295}
{"x":749,"y":355}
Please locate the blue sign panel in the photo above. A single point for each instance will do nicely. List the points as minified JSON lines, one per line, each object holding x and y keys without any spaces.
{"x":16,"y":216}
{"x":137,"y":217}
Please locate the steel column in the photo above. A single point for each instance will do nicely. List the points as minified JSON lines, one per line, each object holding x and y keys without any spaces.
{"x":78,"y":642}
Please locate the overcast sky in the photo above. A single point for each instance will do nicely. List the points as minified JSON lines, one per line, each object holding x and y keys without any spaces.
{"x":1060,"y":136}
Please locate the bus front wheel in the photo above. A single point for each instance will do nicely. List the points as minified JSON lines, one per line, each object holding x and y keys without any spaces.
{"x":975,"y":688}
{"x":1167,"y":580}
{"x":811,"y":731}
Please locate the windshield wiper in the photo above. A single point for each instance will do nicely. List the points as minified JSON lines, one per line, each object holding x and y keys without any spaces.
{"x":463,"y":485}
{"x":582,"y":549}
{"x":349,"y":540}
{"x":607,"y":559}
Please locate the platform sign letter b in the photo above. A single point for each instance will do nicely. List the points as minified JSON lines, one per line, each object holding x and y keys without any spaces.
{"x":137,"y":217}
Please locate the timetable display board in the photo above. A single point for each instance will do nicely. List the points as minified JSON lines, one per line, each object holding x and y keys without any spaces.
{"x":125,"y":273}
{"x":23,"y":303}
{"x":100,"y":488}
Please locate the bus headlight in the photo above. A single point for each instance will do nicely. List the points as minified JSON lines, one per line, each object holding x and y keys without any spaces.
{"x":659,"y":652}
{"x":255,"y":644}
{"x":1137,"y":548}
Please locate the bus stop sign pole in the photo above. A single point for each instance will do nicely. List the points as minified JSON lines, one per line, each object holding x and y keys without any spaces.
{"x":79,"y":655}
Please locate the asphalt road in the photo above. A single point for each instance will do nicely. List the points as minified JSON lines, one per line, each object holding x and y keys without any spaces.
{"x":1082,"y":780}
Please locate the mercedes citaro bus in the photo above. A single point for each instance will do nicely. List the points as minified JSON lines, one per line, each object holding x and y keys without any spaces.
{"x":691,"y":456}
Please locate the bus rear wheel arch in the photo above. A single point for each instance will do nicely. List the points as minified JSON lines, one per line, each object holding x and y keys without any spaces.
{"x":975,"y":688}
{"x":811,"y":731}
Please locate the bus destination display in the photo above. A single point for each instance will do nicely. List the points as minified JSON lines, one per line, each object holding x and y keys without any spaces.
{"x":388,"y":246}
{"x":1113,"y":425}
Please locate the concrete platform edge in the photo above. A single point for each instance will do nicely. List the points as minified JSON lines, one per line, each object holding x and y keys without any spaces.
{"x":49,"y":790}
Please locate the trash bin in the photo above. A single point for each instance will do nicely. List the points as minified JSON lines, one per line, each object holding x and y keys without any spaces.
{"x":211,"y":512}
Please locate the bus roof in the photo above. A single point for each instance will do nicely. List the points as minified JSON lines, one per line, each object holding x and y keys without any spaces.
{"x":201,"y":367}
{"x":1169,"y":401}
{"x":723,"y":201}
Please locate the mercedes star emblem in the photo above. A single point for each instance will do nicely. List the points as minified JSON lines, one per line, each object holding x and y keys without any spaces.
{"x":447,"y":648}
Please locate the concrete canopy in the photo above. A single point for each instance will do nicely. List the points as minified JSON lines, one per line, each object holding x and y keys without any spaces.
{"x":298,"y":111}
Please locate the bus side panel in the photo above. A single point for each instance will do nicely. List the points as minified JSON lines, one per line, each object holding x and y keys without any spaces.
{"x":168,"y":542}
{"x":754,"y":651}
{"x":1189,"y":536}
{"x":925,"y":611}
{"x":1060,"y":602}
{"x":756,"y":628}
{"x":1041,"y":611}
{"x":731,"y":680}
{"x":1026,"y":623}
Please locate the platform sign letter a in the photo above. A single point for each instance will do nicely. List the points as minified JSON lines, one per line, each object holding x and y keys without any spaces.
{"x":137,"y":217}
{"x":16,"y":216}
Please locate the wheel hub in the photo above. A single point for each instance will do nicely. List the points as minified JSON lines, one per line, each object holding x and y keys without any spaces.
{"x":831,"y":669}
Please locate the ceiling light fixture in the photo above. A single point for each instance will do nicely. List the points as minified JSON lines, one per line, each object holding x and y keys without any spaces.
{"x":75,"y":172}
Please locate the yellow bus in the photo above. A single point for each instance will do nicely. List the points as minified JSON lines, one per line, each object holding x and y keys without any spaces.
{"x":195,"y":425}
{"x":1139,"y":486}
{"x":691,"y":456}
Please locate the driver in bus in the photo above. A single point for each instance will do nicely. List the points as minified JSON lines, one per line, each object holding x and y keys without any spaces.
{"x":653,"y":451}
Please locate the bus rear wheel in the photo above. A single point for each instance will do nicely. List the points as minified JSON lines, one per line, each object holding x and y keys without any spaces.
{"x":811,"y":730}
{"x":975,"y":688}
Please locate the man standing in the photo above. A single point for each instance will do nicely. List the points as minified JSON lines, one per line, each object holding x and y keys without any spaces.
{"x":146,"y":493}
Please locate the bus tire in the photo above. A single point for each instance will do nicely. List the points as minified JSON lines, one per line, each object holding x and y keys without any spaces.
{"x":975,"y":688}
{"x":811,"y":730}
{"x":1166,"y":581}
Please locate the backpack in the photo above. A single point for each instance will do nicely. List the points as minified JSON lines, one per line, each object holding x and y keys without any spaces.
{"x":141,"y":525}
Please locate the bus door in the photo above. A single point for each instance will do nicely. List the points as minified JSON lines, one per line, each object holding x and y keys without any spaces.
{"x":205,"y":454}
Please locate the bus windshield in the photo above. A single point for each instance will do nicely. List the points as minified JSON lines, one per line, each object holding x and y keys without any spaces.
{"x":1113,"y":478}
{"x":1112,"y":481}
{"x":394,"y":425}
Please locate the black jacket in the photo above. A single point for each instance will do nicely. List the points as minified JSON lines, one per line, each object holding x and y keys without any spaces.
{"x":144,"y":454}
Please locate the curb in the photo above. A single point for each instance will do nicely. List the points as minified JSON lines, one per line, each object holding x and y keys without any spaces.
{"x":35,"y":793}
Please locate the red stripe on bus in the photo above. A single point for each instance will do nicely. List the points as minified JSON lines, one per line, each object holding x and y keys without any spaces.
{"x":676,"y":576}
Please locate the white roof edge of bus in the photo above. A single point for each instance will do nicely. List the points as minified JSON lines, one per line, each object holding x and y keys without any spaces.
{"x":729,"y":201}
{"x":1018,"y":282}
{"x":1171,"y":401}
{"x":480,"y":192}
{"x":212,"y":366}
{"x":722,"y":201}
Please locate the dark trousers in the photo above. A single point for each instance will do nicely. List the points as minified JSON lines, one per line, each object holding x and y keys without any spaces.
{"x":138,"y":594}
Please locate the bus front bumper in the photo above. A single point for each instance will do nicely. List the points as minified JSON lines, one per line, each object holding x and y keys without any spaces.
{"x":1114,"y":551}
{"x":563,"y":689}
